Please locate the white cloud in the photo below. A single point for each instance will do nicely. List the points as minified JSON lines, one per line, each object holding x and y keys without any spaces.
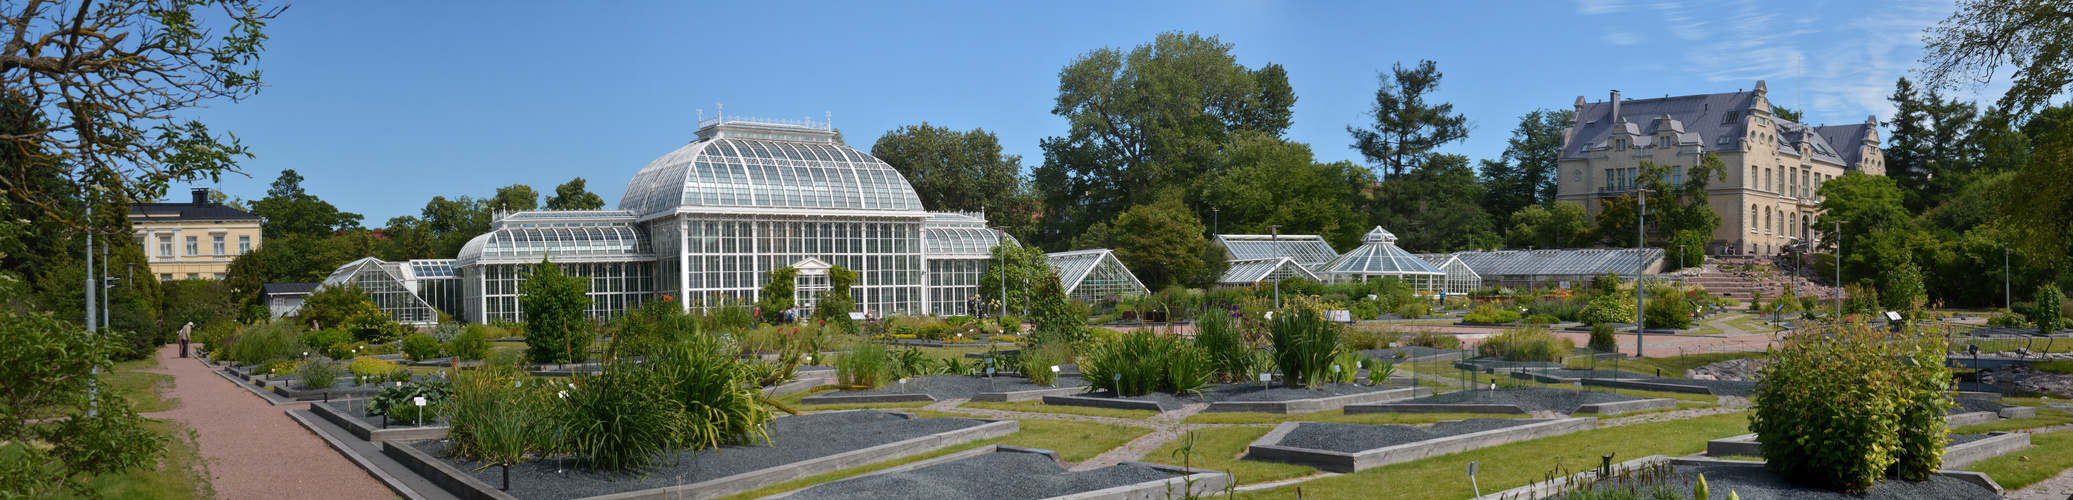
{"x":1596,"y":7}
{"x":1622,"y":38}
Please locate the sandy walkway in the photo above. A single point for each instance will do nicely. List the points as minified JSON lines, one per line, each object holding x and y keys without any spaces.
{"x":254,"y":450}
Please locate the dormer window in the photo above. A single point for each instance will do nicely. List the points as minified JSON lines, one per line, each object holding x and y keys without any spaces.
{"x":1724,"y":140}
{"x":1729,"y":118}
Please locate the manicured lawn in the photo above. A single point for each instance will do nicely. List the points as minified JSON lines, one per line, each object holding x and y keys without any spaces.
{"x":1674,"y":366}
{"x":2044,"y":418}
{"x":1040,"y":407}
{"x":1074,"y":442}
{"x":1336,"y":416}
{"x":2050,"y":453}
{"x":141,"y":389}
{"x":1218,"y":449}
{"x":180,"y":472}
{"x":1517,"y":464}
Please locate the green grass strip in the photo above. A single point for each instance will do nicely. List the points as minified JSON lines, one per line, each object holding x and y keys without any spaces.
{"x":1040,"y":407}
{"x":2050,"y":453}
{"x":1074,"y":442}
{"x":2044,"y":418}
{"x":1218,"y":448}
{"x":1337,"y":416}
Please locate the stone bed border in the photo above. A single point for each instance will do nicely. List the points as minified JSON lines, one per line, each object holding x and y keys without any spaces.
{"x":1550,"y":487}
{"x":1288,"y":407}
{"x":1268,"y":448}
{"x":1623,"y":383}
{"x":1954,"y":457}
{"x":1605,"y":409}
{"x":802,"y":381}
{"x":467,"y":487}
{"x":1205,"y":482}
{"x":370,"y":433}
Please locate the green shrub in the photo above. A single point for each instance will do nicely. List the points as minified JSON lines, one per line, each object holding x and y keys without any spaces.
{"x":318,"y":373}
{"x":1141,"y":362}
{"x":2008,"y":320}
{"x":650,"y":327}
{"x":324,"y":339}
{"x":1036,"y":361}
{"x":446,"y":332}
{"x":1345,"y":368}
{"x":1487,"y":313}
{"x":615,"y":419}
{"x":2049,"y":305}
{"x":264,"y":342}
{"x":911,"y":362}
{"x":400,"y":404}
{"x":1610,"y":308}
{"x":1844,"y":405}
{"x":420,"y":347}
{"x":934,"y":331}
{"x":1362,"y":339}
{"x":1528,"y":343}
{"x":1861,"y":298}
{"x":1218,"y":336}
{"x":471,"y":344}
{"x":716,"y":394}
{"x":1304,"y":346}
{"x":1543,"y":319}
{"x":1669,"y":313}
{"x":867,"y":366}
{"x":1563,"y":310}
{"x":1426,"y":337}
{"x":1602,"y":339}
{"x":1378,"y":370}
{"x":1413,"y":310}
{"x":556,"y":329}
{"x":500,"y":415}
{"x":369,"y":367}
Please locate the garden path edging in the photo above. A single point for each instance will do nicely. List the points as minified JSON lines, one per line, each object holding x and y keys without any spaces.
{"x":1029,"y":395}
{"x":1435,"y":408}
{"x":464,"y":485}
{"x":368,"y":432}
{"x":1625,"y":407}
{"x":1315,"y":405}
{"x":1110,"y":403}
{"x":1267,"y":448}
{"x":1954,"y":456}
{"x":1204,"y":482}
{"x":858,"y":399}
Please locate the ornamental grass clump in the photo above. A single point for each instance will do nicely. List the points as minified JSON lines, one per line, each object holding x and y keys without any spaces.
{"x":1526,"y":343}
{"x":1305,"y":344}
{"x":1036,"y":361}
{"x":264,"y":342}
{"x":616,"y":419}
{"x":866,"y":366}
{"x":500,"y":414}
{"x":1141,"y":362}
{"x":1487,"y":313}
{"x":1230,"y":357}
{"x":1842,"y":406}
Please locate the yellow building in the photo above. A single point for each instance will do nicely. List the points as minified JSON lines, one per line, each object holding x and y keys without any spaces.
{"x":194,"y":240}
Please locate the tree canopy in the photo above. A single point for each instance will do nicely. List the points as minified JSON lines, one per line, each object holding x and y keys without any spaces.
{"x":572,"y":196}
{"x":959,"y":171}
{"x":1527,"y":172}
{"x":1408,"y":129}
{"x":291,"y":211}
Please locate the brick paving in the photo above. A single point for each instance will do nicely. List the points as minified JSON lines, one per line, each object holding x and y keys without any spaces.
{"x":254,"y":450}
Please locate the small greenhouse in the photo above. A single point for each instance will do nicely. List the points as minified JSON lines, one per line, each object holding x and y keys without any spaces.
{"x":1247,"y":272}
{"x":1308,"y":250}
{"x":1378,"y":257}
{"x":1460,"y":278}
{"x":1094,"y":274}
{"x":386,"y":284}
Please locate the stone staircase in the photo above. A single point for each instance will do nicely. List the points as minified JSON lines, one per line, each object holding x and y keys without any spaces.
{"x":1741,"y":276}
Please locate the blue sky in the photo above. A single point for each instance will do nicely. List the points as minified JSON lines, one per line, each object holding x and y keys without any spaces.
{"x":383,"y":105}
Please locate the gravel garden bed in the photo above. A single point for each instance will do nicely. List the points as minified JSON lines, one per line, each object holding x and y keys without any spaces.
{"x":943,"y":387}
{"x":1970,"y":405}
{"x":1531,"y":399}
{"x":1005,"y":476}
{"x":793,"y":439}
{"x":1243,"y":392}
{"x":1353,"y":438}
{"x":357,"y":410}
{"x":1736,"y":388}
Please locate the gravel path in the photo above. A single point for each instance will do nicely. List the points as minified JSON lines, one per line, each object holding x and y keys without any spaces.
{"x":1753,"y":483}
{"x":1969,"y":405}
{"x":793,"y":439}
{"x":1353,"y":438}
{"x":962,"y":386}
{"x":1007,"y":476}
{"x":1529,"y":399}
{"x":254,"y":449}
{"x":1247,"y":392}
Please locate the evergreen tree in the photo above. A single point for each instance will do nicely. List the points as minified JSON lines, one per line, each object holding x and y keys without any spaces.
{"x":1432,"y":208}
{"x":556,"y":329}
{"x":1407,"y":129}
{"x":290,"y":211}
{"x":1527,"y":172}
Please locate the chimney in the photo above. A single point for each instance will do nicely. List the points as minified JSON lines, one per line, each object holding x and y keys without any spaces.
{"x":1615,"y":105}
{"x":201,"y":197}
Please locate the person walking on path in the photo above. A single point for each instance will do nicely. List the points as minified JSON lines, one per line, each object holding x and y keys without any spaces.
{"x":184,"y":331}
{"x":254,"y":450}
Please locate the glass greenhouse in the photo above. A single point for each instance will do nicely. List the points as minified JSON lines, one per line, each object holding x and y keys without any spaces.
{"x":958,"y":247}
{"x":1094,"y":274}
{"x":391,"y":288}
{"x":1526,"y":268}
{"x":1247,"y":272}
{"x":1309,"y":250}
{"x":602,"y":245}
{"x":1460,"y":278}
{"x":1378,"y":256}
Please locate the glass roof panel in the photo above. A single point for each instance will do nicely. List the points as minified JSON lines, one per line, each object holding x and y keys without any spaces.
{"x":1379,"y":256}
{"x":766,"y":174}
{"x":1306,"y":249}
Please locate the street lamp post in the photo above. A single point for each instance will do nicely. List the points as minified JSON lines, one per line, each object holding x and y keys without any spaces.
{"x":1838,"y":293}
{"x":1217,"y":216}
{"x":1640,"y":267}
{"x":1276,"y":238}
{"x":1000,"y":240}
{"x":2007,"y":297}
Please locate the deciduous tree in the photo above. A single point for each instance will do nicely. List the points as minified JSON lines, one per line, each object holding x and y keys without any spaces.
{"x":572,"y":196}
{"x":1527,"y":172}
{"x":959,"y":171}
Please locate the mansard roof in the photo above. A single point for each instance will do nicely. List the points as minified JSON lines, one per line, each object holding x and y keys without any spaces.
{"x":1704,"y":120}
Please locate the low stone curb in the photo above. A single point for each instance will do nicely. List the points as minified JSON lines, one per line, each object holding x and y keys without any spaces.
{"x":865,"y":399}
{"x":1978,"y":417}
{"x":364,"y":461}
{"x":321,"y":394}
{"x":466,"y":486}
{"x":1267,"y":448}
{"x":2018,"y":412}
{"x":1316,"y":404}
{"x":1435,"y":408}
{"x":1624,"y":407}
{"x":1648,"y":386}
{"x":1110,"y":403}
{"x":2002,"y":443}
{"x":801,"y":382}
{"x":256,"y":390}
{"x":1029,"y":395}
{"x":373,"y":434}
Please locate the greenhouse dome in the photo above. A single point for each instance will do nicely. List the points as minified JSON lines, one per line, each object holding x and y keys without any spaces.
{"x":771,"y":166}
{"x":1378,"y":256}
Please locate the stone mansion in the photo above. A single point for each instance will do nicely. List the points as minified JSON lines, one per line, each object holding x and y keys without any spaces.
{"x":1774,"y":166}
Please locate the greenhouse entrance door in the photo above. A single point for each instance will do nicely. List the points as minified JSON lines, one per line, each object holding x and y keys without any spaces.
{"x":809,"y":285}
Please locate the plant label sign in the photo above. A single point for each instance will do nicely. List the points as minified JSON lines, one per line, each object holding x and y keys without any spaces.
{"x":1054,"y":368}
{"x":1473,"y":465}
{"x":856,"y":316}
{"x":1266,"y":377}
{"x":420,"y":400}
